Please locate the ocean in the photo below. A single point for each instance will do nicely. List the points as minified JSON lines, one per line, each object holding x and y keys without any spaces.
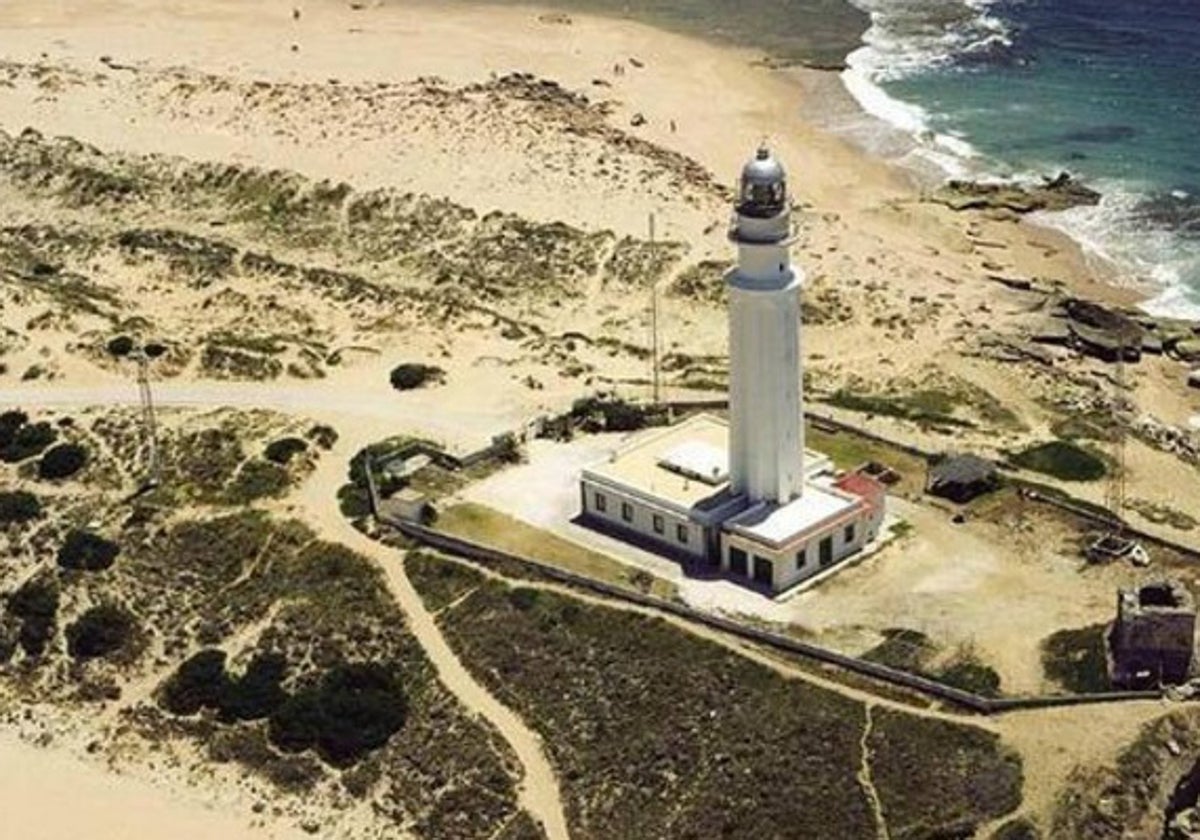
{"x":1106,"y":89}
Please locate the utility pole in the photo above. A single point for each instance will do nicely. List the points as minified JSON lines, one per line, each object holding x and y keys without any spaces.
{"x":653,"y":318}
{"x":149,"y":423}
{"x":1115,"y":492}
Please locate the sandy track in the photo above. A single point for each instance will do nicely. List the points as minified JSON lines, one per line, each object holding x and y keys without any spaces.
{"x":538,"y":793}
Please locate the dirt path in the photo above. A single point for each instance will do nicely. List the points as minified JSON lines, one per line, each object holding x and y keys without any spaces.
{"x":538,"y":793}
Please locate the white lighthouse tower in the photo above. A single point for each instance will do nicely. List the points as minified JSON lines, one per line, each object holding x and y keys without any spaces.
{"x":765,"y":429}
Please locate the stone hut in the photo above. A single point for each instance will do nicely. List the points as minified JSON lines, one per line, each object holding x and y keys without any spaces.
{"x":1153,"y":640}
{"x":961,"y":478}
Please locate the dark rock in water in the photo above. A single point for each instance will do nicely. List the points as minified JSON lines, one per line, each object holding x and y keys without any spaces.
{"x":1057,"y":193}
{"x":1176,"y":211}
{"x":1101,"y":134}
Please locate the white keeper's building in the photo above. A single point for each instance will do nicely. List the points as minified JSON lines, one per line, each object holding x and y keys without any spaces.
{"x":745,"y":495}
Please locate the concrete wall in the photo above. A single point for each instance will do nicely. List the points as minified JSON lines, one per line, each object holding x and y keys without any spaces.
{"x":785,"y":572}
{"x":641,"y":522}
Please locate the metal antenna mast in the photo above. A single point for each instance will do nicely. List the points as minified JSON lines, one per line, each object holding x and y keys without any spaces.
{"x":653,"y":318}
{"x":149,"y":423}
{"x":1115,"y":492}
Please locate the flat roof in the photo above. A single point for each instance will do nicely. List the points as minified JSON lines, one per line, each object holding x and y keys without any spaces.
{"x":657,"y":463}
{"x":699,"y":460}
{"x":638,"y":465}
{"x":779,"y":524}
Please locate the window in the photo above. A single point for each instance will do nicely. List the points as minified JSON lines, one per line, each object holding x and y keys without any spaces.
{"x":659,"y":527}
{"x":800,"y":556}
{"x":627,"y":511}
{"x":850,"y":533}
{"x":601,"y":502}
{"x":681,"y":533}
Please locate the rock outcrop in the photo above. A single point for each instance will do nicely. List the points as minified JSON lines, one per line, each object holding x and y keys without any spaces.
{"x":1058,"y":193}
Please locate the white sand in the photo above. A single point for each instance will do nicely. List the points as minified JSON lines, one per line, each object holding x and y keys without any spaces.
{"x":47,"y":794}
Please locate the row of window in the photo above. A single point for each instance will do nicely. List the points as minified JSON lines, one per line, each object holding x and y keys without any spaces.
{"x":660,"y":525}
{"x":824,"y":548}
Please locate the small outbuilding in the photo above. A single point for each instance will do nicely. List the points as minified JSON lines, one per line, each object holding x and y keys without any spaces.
{"x":961,"y":478}
{"x":1153,"y":640}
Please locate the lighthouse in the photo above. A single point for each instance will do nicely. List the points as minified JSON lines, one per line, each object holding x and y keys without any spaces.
{"x":744,"y":496}
{"x":765,"y":429}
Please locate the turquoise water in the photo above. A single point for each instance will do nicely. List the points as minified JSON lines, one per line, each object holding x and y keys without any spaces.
{"x":1107,"y":89}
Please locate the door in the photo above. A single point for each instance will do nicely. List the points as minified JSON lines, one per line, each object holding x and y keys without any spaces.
{"x":737,"y":561}
{"x":762,"y":570}
{"x":826,"y":551}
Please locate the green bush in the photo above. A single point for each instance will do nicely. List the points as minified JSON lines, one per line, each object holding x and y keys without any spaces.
{"x":972,"y":676}
{"x":1062,"y":460}
{"x":87,"y":551}
{"x":36,"y":605}
{"x":1077,"y":658}
{"x":62,"y":461}
{"x":100,"y":631}
{"x":10,"y":421}
{"x":354,"y":709}
{"x":283,"y":450}
{"x":410,"y":375}
{"x":323,"y":436}
{"x":354,"y":501}
{"x":18,"y":506}
{"x":258,"y":694}
{"x":199,"y":683}
{"x":27,"y":441}
{"x":121,"y":345}
{"x":258,"y":480}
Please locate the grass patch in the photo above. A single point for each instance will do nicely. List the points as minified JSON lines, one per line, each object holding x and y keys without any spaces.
{"x":657,"y":733}
{"x":484,"y":525}
{"x":938,"y":779}
{"x":441,"y":581}
{"x":849,"y":451}
{"x":928,"y":408}
{"x":1063,"y":460}
{"x":1077,"y":659}
{"x":912,"y":651}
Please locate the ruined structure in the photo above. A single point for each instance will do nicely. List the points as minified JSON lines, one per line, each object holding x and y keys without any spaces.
{"x":1153,"y":640}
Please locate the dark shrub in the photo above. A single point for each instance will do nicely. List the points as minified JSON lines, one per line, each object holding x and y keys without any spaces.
{"x":971,"y":676}
{"x":10,"y":421}
{"x":1078,"y":658}
{"x":36,"y":604}
{"x":1063,"y":460}
{"x":199,"y":683}
{"x":523,"y":598}
{"x":353,"y":710}
{"x":100,"y":631}
{"x":62,"y":461}
{"x":18,"y":506}
{"x":283,"y":450}
{"x":324,"y":436}
{"x":411,"y":375}
{"x":354,"y":501}
{"x":87,"y":551}
{"x":258,"y":693}
{"x":154,"y":349}
{"x":27,"y":441}
{"x":257,"y":480}
{"x":121,"y":345}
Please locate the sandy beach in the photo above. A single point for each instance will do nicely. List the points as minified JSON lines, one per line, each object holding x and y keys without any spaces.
{"x":163,"y":132}
{"x":47,"y":794}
